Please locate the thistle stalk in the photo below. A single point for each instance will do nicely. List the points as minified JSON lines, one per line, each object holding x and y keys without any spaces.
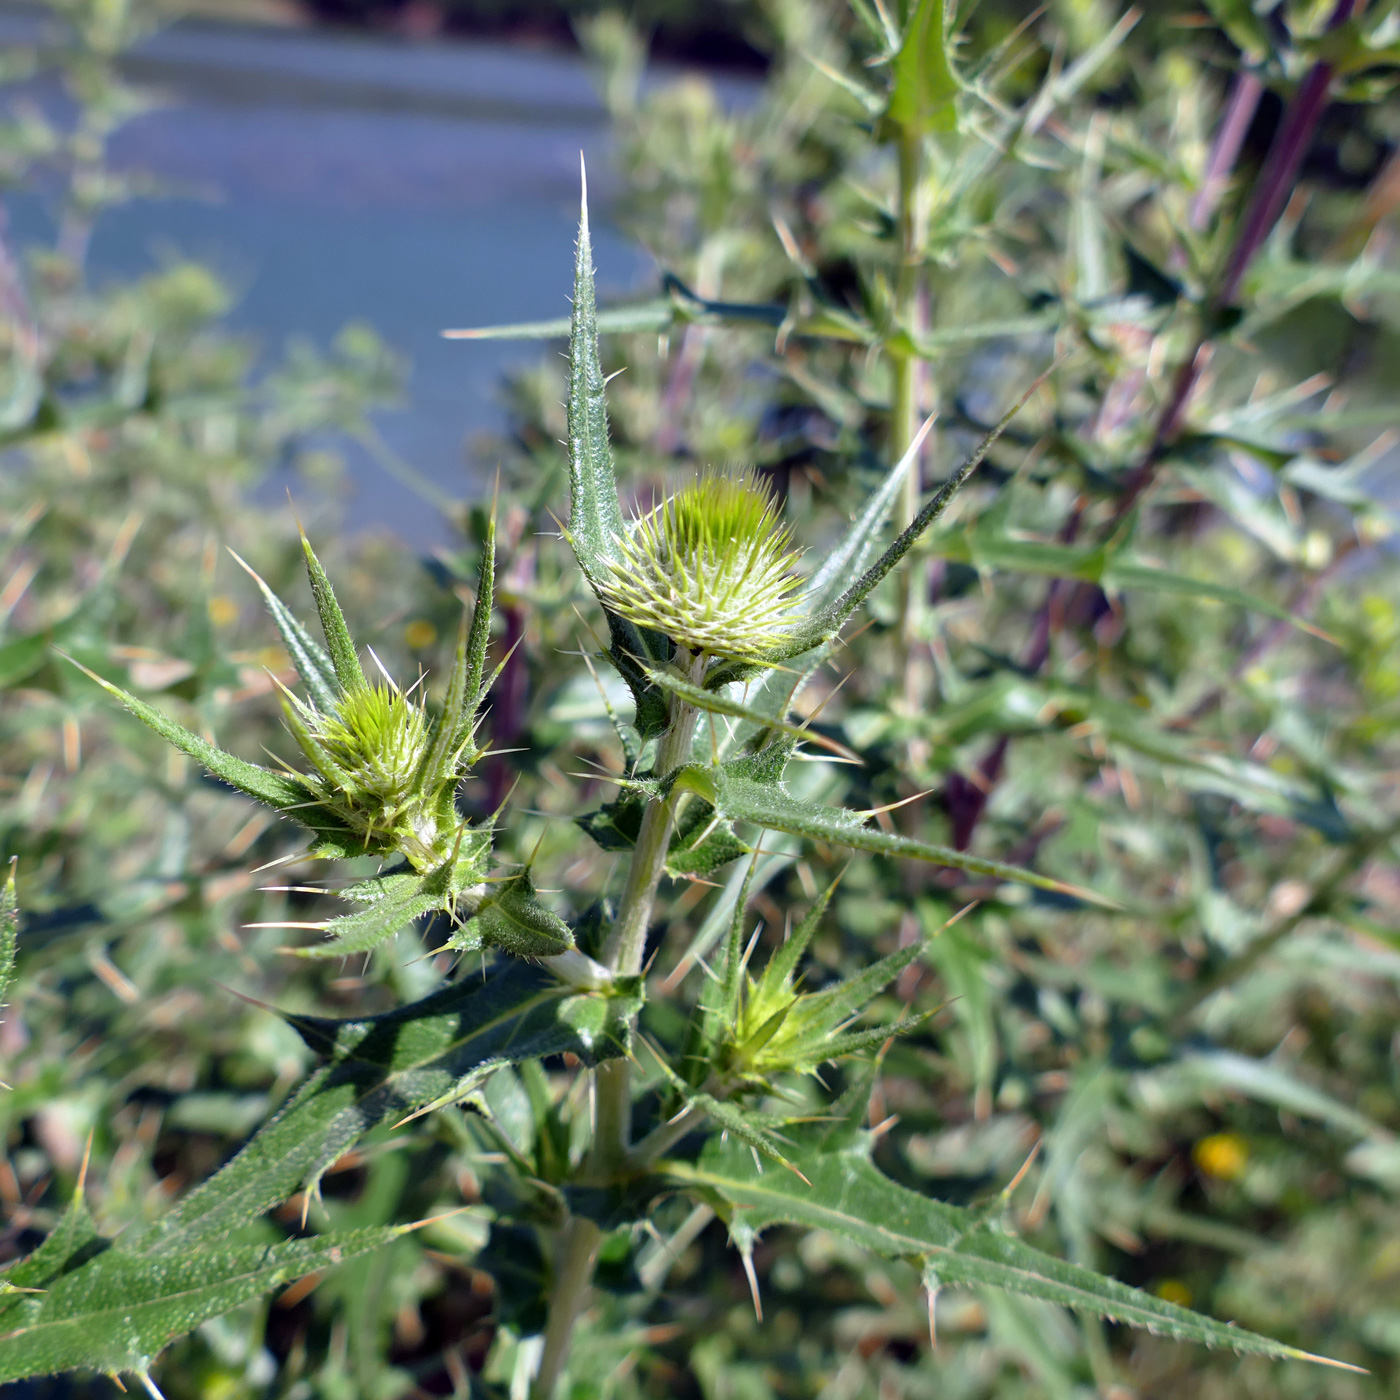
{"x":573,"y":1276}
{"x":613,"y":1101}
{"x":612,"y":1123}
{"x":905,"y":416}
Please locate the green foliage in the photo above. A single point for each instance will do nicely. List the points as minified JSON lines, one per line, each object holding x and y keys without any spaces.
{"x":1096,"y":1024}
{"x":840,"y":1191}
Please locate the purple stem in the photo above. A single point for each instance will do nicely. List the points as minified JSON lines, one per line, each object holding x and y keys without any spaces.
{"x":1245,"y":93}
{"x":1281,"y":165}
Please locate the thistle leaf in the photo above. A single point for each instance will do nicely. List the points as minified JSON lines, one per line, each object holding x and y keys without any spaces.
{"x":780,"y":967}
{"x":392,"y":902}
{"x":277,"y":790}
{"x":513,"y":919}
{"x":737,"y":794}
{"x":595,"y":516}
{"x":635,"y":651}
{"x":853,"y":550}
{"x":925,"y":85}
{"x":341,"y":646}
{"x":842,"y":1192}
{"x":824,"y":623}
{"x":308,"y":656}
{"x":116,"y":1313}
{"x":708,"y":700}
{"x":479,"y":637}
{"x":385,"y":1067}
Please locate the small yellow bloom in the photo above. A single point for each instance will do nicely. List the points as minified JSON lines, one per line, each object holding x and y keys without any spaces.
{"x":1222,"y":1155}
{"x":420,"y":634}
{"x":1172,"y":1290}
{"x":223,"y":611}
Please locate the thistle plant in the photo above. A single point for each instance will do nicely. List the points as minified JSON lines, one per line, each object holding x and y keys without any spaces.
{"x":549,"y":1099}
{"x":710,"y":567}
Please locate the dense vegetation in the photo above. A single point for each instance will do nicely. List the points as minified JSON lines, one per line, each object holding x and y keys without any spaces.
{"x":721,"y":973}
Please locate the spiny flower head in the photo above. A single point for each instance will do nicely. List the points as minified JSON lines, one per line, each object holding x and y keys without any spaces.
{"x":369,"y":749}
{"x":384,"y":769}
{"x":710,"y":567}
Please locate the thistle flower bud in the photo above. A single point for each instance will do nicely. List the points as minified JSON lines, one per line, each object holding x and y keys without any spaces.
{"x":366,"y":755}
{"x":710,"y":567}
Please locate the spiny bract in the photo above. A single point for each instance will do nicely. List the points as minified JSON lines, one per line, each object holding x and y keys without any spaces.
{"x":710,"y":567}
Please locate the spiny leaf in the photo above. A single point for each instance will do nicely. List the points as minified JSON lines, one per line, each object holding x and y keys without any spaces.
{"x":479,"y":638}
{"x":768,"y":804}
{"x":827,"y":619}
{"x":853,"y":550}
{"x":341,"y":646}
{"x":117,"y":1312}
{"x":308,"y":656}
{"x":383,"y":1068}
{"x":393,"y":901}
{"x":781,"y":966}
{"x":513,"y":919}
{"x":74,"y":1239}
{"x":712,"y":703}
{"x":595,"y":516}
{"x":277,"y":790}
{"x":846,"y":1195}
{"x":925,"y":85}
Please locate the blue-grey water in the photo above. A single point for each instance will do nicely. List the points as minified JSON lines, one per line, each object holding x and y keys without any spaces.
{"x":415,"y":187}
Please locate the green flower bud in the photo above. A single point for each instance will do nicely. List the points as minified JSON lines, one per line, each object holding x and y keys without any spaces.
{"x":374,"y":764}
{"x":710,"y":567}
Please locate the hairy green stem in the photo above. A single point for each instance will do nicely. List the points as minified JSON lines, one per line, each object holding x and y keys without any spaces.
{"x":613,"y":1099}
{"x":909,"y":310}
{"x":612,"y":1123}
{"x":573,"y":1275}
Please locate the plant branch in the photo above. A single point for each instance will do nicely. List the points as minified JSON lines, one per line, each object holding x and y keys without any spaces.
{"x":573,"y":1277}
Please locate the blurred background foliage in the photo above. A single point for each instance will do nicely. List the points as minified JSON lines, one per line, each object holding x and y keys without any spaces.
{"x":1211,"y":1076}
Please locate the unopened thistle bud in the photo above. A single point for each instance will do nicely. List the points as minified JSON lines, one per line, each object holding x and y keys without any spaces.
{"x":373,"y":762}
{"x":710,"y":567}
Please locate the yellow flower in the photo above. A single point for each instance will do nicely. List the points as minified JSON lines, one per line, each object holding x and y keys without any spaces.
{"x":1222,"y":1155}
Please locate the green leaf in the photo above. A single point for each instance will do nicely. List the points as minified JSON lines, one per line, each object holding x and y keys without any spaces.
{"x":511,"y":918}
{"x":740,"y":797}
{"x":650,"y":316}
{"x":700,"y":843}
{"x":989,"y":548}
{"x":308,"y":656}
{"x":341,"y":646}
{"x":824,"y":622}
{"x":705,"y":699}
{"x":392,"y":902}
{"x":595,"y":516}
{"x":925,"y":85}
{"x":479,"y":636}
{"x":384,"y":1068}
{"x":781,"y":967}
{"x":117,"y":1312}
{"x":277,"y":790}
{"x":845,"y":1194}
{"x":72,"y":1241}
{"x":634,"y":651}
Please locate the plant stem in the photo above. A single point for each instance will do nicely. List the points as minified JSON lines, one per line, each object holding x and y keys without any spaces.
{"x":613,"y":1083}
{"x":612,"y":1126}
{"x":909,"y":312}
{"x":573,"y":1274}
